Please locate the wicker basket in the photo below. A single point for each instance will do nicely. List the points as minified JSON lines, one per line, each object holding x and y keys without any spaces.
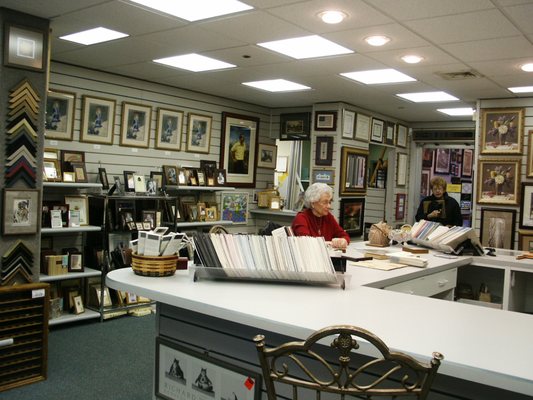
{"x":154,"y":265}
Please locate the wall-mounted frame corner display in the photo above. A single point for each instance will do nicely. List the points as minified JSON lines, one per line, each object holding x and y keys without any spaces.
{"x":25,"y":47}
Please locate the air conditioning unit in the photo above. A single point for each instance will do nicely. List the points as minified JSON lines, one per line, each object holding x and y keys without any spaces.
{"x":443,"y":136}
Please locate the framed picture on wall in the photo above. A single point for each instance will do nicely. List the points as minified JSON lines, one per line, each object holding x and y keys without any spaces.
{"x":97,"y":120}
{"x":353,"y":171}
{"x":401,"y":135}
{"x":234,"y":207}
{"x":325,"y":120}
{"x":501,"y":131}
{"x":326,"y":176}
{"x":468,"y":160}
{"x":377,"y":130}
{"x":401,"y":199}
{"x":526,"y":206}
{"x":199,"y":133}
{"x":442,"y":161}
{"x":324,"y":150}
{"x":169,"y":128}
{"x":21,"y":211}
{"x":401,"y":169}
{"x":25,"y":47}
{"x":424,"y":183}
{"x":266,"y":155}
{"x":135,"y":129}
{"x":348,"y":124}
{"x":498,"y":181}
{"x":362,"y":127}
{"x":352,"y":213}
{"x":295,"y":126}
{"x":529,"y":171}
{"x":497,"y":228}
{"x":427,"y":158}
{"x":388,"y":136}
{"x":59,"y":120}
{"x":525,"y":241}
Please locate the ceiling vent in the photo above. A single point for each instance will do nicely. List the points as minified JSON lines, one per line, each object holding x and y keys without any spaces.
{"x":459,"y":75}
{"x":443,"y":136}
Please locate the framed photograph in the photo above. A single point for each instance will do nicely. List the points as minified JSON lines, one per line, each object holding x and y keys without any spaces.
{"x":295,"y":126}
{"x":151,"y":186}
{"x":326,"y":176}
{"x":171,"y":175}
{"x":348,"y":124}
{"x":25,"y":47}
{"x":150,"y":217}
{"x":352,"y":213}
{"x":139,"y":183}
{"x":424,"y":183}
{"x":401,"y":199}
{"x":267,"y":155}
{"x":530,"y":155}
{"x":526,"y":206}
{"x":442,"y":161}
{"x":211,"y":214}
{"x":129,"y":181}
{"x":325,"y":120}
{"x":184,"y":373}
{"x":21,"y":211}
{"x":169,"y":128}
{"x":377,"y":130}
{"x":362,"y":127}
{"x":498,"y":181}
{"x":67,"y":157}
{"x":525,"y":241}
{"x":427,"y":158}
{"x":59,"y":120}
{"x":238,"y":149}
{"x":497,"y":228}
{"x":401,"y":135}
{"x":51,"y":154}
{"x":324,"y":150}
{"x":75,"y":262}
{"x":135,"y":130}
{"x":202,"y":214}
{"x":468,"y":161}
{"x":220,"y":178}
{"x":183,"y":176}
{"x":501,"y":131}
{"x":158,"y":178}
{"x":78,"y":305}
{"x":389,"y":133}
{"x":51,"y":171}
{"x":199,"y":133}
{"x":97,"y":120}
{"x":401,"y":169}
{"x":69,"y":177}
{"x":81,"y":204}
{"x":234,"y":207}
{"x":353,"y":171}
{"x":80,"y":171}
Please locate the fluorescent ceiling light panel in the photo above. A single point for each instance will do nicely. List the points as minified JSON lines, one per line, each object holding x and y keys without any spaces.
{"x":277,"y":85}
{"x":194,"y":62}
{"x":306,"y":47}
{"x":521,"y":89}
{"x":456,"y":112}
{"x":195,"y":10}
{"x":377,"y":76}
{"x":427,"y":97}
{"x":93,"y":36}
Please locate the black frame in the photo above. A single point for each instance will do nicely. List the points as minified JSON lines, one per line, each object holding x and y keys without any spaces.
{"x":103,"y":178}
{"x":346,"y":221}
{"x":327,"y":160}
{"x":301,"y":129}
{"x":12,"y":60}
{"x":323,"y":127}
{"x":506,"y":236}
{"x":127,"y":186}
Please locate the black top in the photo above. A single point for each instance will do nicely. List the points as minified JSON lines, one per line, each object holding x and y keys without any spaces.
{"x":450,"y":210}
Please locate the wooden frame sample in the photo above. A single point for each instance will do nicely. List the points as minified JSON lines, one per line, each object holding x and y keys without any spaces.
{"x":67,"y":157}
{"x":295,"y":126}
{"x":239,"y":149}
{"x":25,"y":47}
{"x":352,"y":213}
{"x":497,"y":228}
{"x":324,"y":150}
{"x":267,"y":155}
{"x":234,"y":207}
{"x":79,"y":203}
{"x":348,"y":124}
{"x":362,"y":127}
{"x":526,"y":206}
{"x":21,"y":211}
{"x":169,"y":128}
{"x":51,"y":171}
{"x":502,"y":131}
{"x":199,"y":133}
{"x":377,"y":130}
{"x":135,"y":129}
{"x":498,"y":181}
{"x":97,"y":120}
{"x":59,"y":121}
{"x":353,"y":171}
{"x":525,"y":240}
{"x":325,"y":120}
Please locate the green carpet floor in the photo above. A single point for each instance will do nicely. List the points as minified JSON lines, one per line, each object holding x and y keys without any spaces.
{"x":110,"y":360}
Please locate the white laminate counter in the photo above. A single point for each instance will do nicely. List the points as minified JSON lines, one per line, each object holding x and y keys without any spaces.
{"x":484,"y":345}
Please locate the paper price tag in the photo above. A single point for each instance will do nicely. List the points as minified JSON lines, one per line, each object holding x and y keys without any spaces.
{"x":37,"y":293}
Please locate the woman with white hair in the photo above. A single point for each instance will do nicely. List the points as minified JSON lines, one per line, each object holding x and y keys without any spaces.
{"x":316,"y":219}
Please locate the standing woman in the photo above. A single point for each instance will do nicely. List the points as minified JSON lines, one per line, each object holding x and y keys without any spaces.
{"x":316,"y":219}
{"x":440,"y":207}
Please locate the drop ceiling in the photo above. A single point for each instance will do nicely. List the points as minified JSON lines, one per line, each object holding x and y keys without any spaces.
{"x":490,"y":38}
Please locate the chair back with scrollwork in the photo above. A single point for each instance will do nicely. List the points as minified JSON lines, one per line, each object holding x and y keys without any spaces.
{"x":309,"y":369}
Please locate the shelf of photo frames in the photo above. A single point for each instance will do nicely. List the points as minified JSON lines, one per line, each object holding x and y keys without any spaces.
{"x":77,"y":185}
{"x":200,"y":224}
{"x":71,"y":229}
{"x":198,"y":188}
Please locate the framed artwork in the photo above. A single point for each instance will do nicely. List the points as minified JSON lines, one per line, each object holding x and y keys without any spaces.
{"x":234,"y":207}
{"x":51,"y":171}
{"x":353,"y":171}
{"x":75,"y":262}
{"x":169,"y":128}
{"x":468,"y":161}
{"x":80,"y":204}
{"x":427,"y":158}
{"x":69,"y":177}
{"x":326,"y":176}
{"x":348,"y":124}
{"x":211,"y":214}
{"x":501,"y":131}
{"x":171,"y":175}
{"x":529,"y":171}
{"x":401,"y":135}
{"x":442,"y":161}
{"x":97,"y":120}
{"x":267,"y":155}
{"x":129,"y":181}
{"x":135,"y":130}
{"x":352,"y":212}
{"x":59,"y":120}
{"x":220,"y":178}
{"x":324,"y":150}
{"x":21,"y":211}
{"x":295,"y":126}
{"x":102,"y":175}
{"x":497,"y":228}
{"x":199,"y":133}
{"x":67,"y":157}
{"x":78,"y":305}
{"x":401,"y":199}
{"x":184,"y":373}
{"x":325,"y":120}
{"x":150,"y":217}
{"x":377,"y":130}
{"x":401,"y":169}
{"x":183,"y":176}
{"x":157,"y":176}
{"x":362,"y":127}
{"x":238,"y":149}
{"x":498,"y":181}
{"x":389,"y":133}
{"x":424,"y":184}
{"x":25,"y":47}
{"x":525,"y":241}
{"x":81,"y":173}
{"x":526,"y":206}
{"x":139,"y":182}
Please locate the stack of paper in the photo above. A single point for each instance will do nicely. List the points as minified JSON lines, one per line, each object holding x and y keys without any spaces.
{"x":401,"y":257}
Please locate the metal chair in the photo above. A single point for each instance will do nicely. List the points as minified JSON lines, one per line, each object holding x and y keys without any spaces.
{"x":218,"y":229}
{"x":308,"y":369}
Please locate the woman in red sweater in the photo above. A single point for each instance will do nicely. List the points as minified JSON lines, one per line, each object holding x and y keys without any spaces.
{"x":316,"y":219}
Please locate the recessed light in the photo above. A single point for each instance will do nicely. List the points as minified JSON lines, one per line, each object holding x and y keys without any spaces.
{"x":277,"y":85}
{"x":195,"y":10}
{"x":378,"y":40}
{"x":455,"y":112}
{"x":412,"y":59}
{"x":93,"y":36}
{"x":306,"y":47}
{"x":332,"y":16}
{"x":194,"y":62}
{"x":427,"y":97}
{"x":377,"y":76}
{"x":527,"y":67}
{"x":521,"y":89}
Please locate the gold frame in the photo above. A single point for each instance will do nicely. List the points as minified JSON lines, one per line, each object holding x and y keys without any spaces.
{"x":357,"y":171}
{"x":500,"y":168}
{"x":502,"y":123}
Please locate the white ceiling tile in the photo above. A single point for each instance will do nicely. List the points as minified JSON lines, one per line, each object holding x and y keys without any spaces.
{"x":497,"y":48}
